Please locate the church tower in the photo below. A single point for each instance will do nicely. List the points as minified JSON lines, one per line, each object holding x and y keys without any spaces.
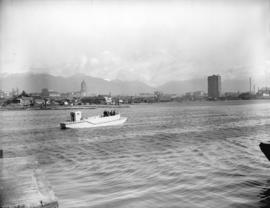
{"x":83,"y":89}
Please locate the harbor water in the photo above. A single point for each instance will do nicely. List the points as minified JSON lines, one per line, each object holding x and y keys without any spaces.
{"x":192,"y":155}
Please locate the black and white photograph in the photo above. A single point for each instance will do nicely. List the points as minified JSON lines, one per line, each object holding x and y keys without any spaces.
{"x":134,"y":103}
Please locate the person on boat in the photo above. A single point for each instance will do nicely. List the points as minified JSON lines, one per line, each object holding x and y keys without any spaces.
{"x":111,"y":113}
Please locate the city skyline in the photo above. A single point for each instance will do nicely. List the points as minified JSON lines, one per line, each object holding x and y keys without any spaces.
{"x":152,"y":42}
{"x":31,"y":82}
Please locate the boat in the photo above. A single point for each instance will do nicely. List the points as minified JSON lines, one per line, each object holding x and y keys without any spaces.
{"x":265,"y":148}
{"x":106,"y":119}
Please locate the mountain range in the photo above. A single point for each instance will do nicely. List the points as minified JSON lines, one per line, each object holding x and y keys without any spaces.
{"x":31,"y":82}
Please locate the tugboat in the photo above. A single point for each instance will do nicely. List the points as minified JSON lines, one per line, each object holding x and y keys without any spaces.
{"x":265,"y":148}
{"x":108,"y":118}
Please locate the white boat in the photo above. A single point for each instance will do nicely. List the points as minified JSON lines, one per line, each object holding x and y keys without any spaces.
{"x":95,"y":121}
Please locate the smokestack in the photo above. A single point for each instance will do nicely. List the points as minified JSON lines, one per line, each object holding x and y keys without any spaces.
{"x":250,"y":84}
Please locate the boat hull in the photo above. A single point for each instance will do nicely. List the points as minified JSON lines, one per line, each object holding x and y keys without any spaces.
{"x":91,"y":123}
{"x":265,"y":148}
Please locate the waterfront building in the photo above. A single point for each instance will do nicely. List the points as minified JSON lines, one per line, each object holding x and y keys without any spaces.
{"x":108,"y":100}
{"x":193,"y":96}
{"x":49,"y":93}
{"x":39,"y":101}
{"x":165,"y":98}
{"x":54,"y":94}
{"x":198,"y":94}
{"x":214,"y":86}
{"x":263,"y":92}
{"x":15,"y":92}
{"x":4,"y":94}
{"x":35,"y":94}
{"x":24,"y":101}
{"x":147,"y":95}
{"x":83,"y":89}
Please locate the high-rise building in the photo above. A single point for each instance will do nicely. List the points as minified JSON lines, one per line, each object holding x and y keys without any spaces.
{"x":45,"y":92}
{"x":83,"y":89}
{"x":214,"y":86}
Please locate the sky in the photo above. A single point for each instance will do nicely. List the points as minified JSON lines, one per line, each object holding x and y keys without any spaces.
{"x":137,"y":40}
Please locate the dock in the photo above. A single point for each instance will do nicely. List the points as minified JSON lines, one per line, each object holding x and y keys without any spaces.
{"x":23,"y":185}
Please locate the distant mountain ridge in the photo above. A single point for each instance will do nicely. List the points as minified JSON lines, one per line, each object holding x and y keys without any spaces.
{"x":31,"y":82}
{"x":184,"y":86}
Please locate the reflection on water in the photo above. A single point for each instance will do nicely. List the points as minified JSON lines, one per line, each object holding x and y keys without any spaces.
{"x":265,"y":195}
{"x":166,"y":155}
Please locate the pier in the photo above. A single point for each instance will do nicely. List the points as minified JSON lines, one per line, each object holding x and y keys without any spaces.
{"x":22,"y":184}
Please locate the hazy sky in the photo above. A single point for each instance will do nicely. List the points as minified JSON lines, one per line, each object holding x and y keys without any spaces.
{"x":151,"y":41}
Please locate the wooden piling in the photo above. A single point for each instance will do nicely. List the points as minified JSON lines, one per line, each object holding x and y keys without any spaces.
{"x":22,"y":184}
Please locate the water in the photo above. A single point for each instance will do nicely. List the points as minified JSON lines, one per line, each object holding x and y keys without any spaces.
{"x":166,"y":155}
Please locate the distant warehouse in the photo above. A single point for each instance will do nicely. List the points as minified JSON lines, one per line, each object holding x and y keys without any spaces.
{"x":214,"y":87}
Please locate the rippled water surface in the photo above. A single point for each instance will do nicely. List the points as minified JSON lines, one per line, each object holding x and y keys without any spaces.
{"x":166,"y":155}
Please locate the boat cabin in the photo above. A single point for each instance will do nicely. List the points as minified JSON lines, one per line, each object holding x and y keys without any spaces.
{"x":75,"y":116}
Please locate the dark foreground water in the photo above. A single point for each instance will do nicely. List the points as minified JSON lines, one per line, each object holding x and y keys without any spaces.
{"x":166,"y":155}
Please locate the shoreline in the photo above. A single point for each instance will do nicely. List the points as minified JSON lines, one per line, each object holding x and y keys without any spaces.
{"x":22,"y":108}
{"x":203,"y":102}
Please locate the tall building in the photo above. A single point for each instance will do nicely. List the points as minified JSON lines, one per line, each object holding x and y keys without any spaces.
{"x":83,"y":89}
{"x":45,"y":92}
{"x":214,"y":86}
